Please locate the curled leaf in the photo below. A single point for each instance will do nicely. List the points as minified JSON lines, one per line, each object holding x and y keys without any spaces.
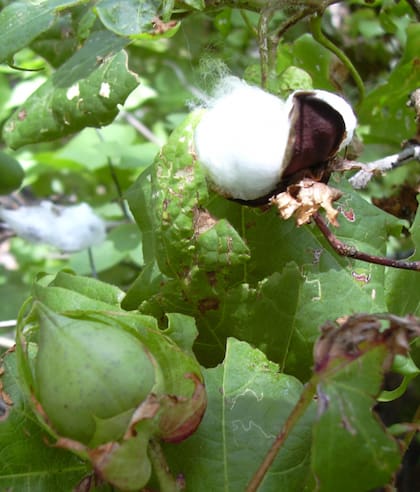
{"x":361,"y":332}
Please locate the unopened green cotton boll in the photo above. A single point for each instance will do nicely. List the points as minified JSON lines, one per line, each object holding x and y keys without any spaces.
{"x":87,"y":370}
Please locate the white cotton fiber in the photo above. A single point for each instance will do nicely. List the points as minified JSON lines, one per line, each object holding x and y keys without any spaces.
{"x":71,"y":228}
{"x":241,"y":140}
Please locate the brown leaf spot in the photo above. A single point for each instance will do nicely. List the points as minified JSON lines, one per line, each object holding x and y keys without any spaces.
{"x":212,"y":278}
{"x":202,"y":221}
{"x":208,"y":304}
{"x":361,"y":277}
{"x":348,"y":214}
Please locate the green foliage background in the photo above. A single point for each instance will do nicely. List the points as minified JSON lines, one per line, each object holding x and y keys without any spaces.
{"x":241,"y":273}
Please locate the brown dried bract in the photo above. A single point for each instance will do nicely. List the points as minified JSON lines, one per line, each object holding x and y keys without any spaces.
{"x":160,"y":27}
{"x":306,"y":197}
{"x":359,"y":333}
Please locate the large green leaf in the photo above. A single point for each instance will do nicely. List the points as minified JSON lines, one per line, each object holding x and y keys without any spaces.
{"x":26,"y":462}
{"x":401,"y":285}
{"x":347,"y":428}
{"x":248,"y":402}
{"x":85,"y":91}
{"x":21,"y":22}
{"x":244,"y":272}
{"x":385,"y":110}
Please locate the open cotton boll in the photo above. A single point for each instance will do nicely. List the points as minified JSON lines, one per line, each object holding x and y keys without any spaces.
{"x":241,"y":140}
{"x":69,"y":229}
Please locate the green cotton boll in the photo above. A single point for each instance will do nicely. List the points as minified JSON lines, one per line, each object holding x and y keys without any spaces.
{"x":88,"y":372}
{"x":11,"y":174}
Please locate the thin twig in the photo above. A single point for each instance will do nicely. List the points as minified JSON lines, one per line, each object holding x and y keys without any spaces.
{"x":248,"y":23}
{"x":308,"y":10}
{"x":184,"y":81}
{"x":167,"y":482}
{"x":410,"y":435}
{"x":264,"y":41}
{"x":140,"y":127}
{"x":319,"y":36}
{"x":350,"y":251}
{"x":114,"y":178}
{"x":299,"y":409}
{"x":92,"y":263}
{"x":361,"y":179}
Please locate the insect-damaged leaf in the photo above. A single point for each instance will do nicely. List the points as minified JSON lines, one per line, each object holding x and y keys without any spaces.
{"x":26,"y":463}
{"x":248,"y":401}
{"x":85,"y":91}
{"x":349,"y":362}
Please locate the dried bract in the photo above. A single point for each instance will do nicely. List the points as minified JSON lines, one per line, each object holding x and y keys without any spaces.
{"x":306,"y":197}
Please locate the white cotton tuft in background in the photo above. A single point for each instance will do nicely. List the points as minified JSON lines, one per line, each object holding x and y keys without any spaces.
{"x":71,"y":228}
{"x":241,"y":139}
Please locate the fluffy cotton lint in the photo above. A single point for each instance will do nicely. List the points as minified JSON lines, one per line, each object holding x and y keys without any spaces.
{"x":69,"y":229}
{"x":241,"y":140}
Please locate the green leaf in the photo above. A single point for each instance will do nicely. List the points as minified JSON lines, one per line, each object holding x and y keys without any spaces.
{"x":52,"y":46}
{"x":185,"y":233}
{"x":21,"y":22}
{"x":384,"y":110}
{"x":406,"y":367}
{"x":308,"y":55}
{"x":89,"y":287}
{"x":346,"y":428}
{"x":196,"y":4}
{"x":248,"y":402}
{"x":400,"y":282}
{"x":128,"y":466}
{"x":217,"y":259}
{"x":85,"y":91}
{"x":182,"y":330}
{"x":26,"y":462}
{"x":62,"y":299}
{"x":129,"y":18}
{"x":123,"y":241}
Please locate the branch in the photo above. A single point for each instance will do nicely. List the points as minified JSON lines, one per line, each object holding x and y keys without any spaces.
{"x":350,"y":251}
{"x":361,"y":179}
{"x":299,"y":409}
